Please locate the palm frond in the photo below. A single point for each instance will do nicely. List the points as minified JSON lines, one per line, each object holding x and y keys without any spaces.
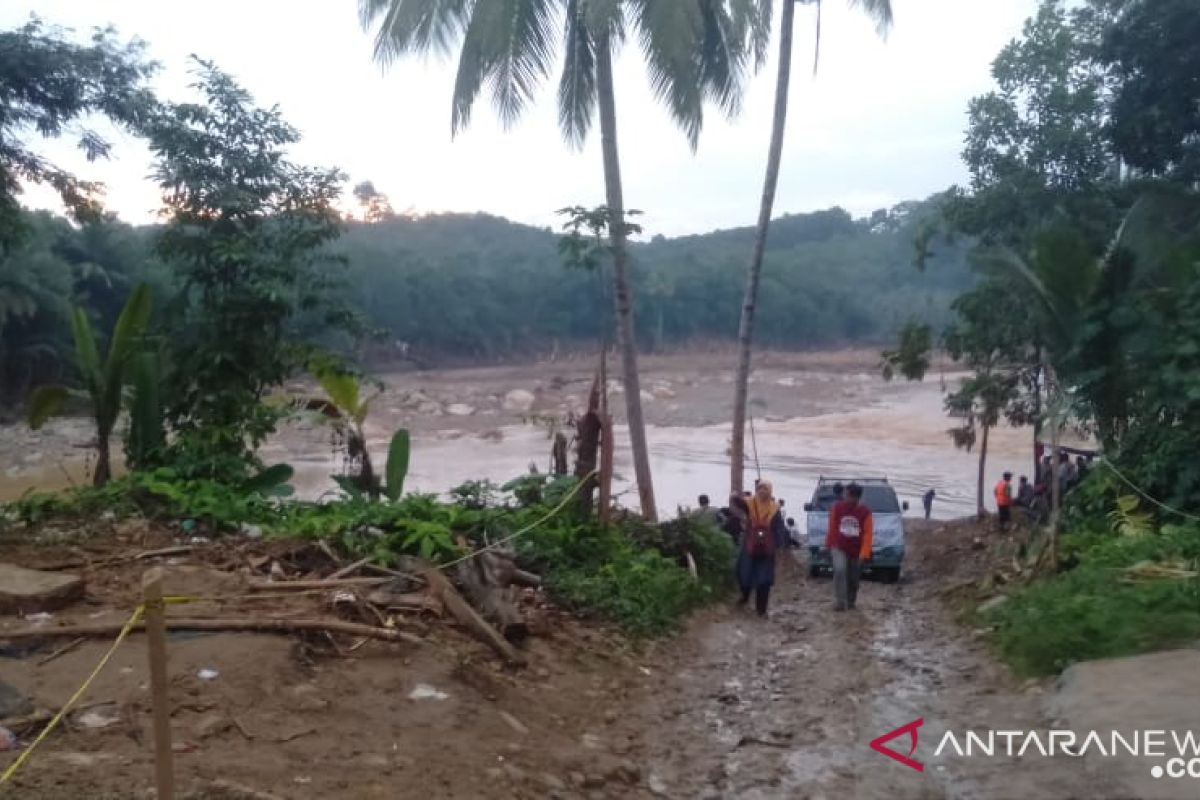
{"x":605,"y":19}
{"x":414,"y":26}
{"x":577,"y":87}
{"x":475,"y":61}
{"x":525,"y":39}
{"x":879,"y":11}
{"x":668,"y":33}
{"x":723,"y":52}
{"x":760,"y":25}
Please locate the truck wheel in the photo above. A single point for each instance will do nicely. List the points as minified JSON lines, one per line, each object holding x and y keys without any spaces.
{"x":890,"y":575}
{"x":814,"y":571}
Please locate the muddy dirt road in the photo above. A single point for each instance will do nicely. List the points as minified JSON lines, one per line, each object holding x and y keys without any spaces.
{"x":786,"y":708}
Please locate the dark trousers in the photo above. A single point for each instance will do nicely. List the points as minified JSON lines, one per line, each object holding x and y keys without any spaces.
{"x":1005,"y":516}
{"x":762,"y":595}
{"x":846,"y":571}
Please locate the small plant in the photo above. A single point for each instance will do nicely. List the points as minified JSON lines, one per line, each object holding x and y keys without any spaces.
{"x":103,"y":380}
{"x":347,"y":410}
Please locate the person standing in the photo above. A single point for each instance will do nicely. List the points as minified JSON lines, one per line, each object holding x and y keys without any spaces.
{"x":706,"y":512}
{"x":794,"y":532}
{"x":851,"y":529}
{"x":927,"y":501}
{"x":1024,"y":493}
{"x":1004,"y":500}
{"x":736,"y":517}
{"x":765,"y":535}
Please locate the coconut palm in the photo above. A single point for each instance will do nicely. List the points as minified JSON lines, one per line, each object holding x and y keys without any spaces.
{"x":695,"y":50}
{"x":881,"y":12}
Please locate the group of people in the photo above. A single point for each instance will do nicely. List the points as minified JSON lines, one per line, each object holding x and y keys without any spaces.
{"x":756,"y":522}
{"x":1032,"y":498}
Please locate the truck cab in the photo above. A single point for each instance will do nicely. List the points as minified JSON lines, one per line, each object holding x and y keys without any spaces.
{"x":887,"y":550}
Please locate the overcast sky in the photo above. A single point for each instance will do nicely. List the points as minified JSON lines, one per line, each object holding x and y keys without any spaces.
{"x":882,"y":121}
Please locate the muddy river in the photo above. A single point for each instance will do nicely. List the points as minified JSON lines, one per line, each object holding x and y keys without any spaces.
{"x":815,"y":414}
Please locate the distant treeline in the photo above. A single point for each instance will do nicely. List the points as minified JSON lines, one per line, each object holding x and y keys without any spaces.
{"x":480,"y":287}
{"x":484,"y":287}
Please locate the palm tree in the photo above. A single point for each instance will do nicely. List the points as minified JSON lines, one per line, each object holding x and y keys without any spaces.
{"x":881,"y":12}
{"x":695,"y":52}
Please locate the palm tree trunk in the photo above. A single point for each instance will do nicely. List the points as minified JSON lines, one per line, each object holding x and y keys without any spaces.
{"x":103,"y":459}
{"x":741,"y":382}
{"x":624,"y":299}
{"x":981,"y":507}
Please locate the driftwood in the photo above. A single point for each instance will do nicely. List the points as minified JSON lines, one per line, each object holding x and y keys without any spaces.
{"x":350,"y":569}
{"x":262,"y":625}
{"x":469,"y":618}
{"x":178,"y":550}
{"x":486,"y":579}
{"x":338,"y":583}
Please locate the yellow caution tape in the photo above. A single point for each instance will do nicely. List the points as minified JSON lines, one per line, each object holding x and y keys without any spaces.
{"x":130,"y":624}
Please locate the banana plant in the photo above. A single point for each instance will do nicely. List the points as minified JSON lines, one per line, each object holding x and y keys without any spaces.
{"x":103,"y":380}
{"x":347,"y":411}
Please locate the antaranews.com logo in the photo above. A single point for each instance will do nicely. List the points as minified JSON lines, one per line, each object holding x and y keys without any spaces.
{"x":1175,"y":754}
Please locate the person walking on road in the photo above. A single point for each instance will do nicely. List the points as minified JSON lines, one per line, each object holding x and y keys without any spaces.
{"x":851,"y":528}
{"x":765,"y":535}
{"x":1004,"y":500}
{"x":927,"y":501}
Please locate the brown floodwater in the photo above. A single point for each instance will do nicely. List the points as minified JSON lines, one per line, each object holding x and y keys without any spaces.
{"x":814,"y":417}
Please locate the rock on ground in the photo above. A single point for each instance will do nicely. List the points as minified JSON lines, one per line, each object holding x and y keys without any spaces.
{"x":29,"y":591}
{"x":12,"y":702}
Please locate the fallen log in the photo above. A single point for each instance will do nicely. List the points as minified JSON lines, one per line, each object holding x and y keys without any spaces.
{"x":264,"y":625}
{"x":469,"y":618}
{"x":486,"y":579}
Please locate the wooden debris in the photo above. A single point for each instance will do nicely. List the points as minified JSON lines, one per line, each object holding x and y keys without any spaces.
{"x":338,"y":583}
{"x":486,"y":578}
{"x":461,"y":610}
{"x":350,"y":569}
{"x":256,"y":625}
{"x":62,"y":651}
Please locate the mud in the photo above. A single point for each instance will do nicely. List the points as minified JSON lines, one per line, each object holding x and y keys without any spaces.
{"x":733,"y":707}
{"x":786,"y":708}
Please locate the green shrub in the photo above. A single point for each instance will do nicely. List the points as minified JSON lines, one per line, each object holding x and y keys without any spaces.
{"x":1102,"y":608}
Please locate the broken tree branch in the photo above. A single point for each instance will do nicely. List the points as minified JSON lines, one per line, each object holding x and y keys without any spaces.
{"x":264,"y":625}
{"x":338,"y":583}
{"x":469,"y":618}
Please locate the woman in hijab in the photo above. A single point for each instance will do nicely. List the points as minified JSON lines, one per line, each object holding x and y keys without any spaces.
{"x":765,"y":535}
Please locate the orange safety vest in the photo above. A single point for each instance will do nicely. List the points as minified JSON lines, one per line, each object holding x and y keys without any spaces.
{"x":1003,"y":497}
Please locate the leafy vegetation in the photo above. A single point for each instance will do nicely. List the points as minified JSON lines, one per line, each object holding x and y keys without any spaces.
{"x":1085,"y":219}
{"x":246,"y":240}
{"x":48,"y":86}
{"x":104,"y":379}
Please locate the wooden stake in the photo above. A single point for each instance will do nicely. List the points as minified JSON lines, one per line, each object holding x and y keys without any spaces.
{"x":156,"y":634}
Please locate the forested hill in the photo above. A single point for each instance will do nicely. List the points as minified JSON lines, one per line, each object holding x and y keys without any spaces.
{"x":480,"y":286}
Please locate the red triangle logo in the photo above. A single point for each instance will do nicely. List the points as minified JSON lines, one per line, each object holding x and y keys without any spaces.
{"x":911,"y":729}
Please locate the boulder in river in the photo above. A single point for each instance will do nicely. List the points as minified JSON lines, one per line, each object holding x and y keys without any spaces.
{"x":518,"y":401}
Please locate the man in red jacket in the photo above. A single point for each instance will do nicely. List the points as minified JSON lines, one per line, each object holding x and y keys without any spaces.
{"x":849,"y":541}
